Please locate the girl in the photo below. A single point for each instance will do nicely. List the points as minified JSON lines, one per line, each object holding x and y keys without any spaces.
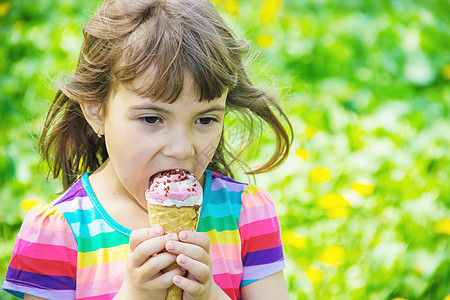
{"x":150,"y":92}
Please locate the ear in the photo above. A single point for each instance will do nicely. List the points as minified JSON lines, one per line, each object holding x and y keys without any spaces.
{"x":93,"y":113}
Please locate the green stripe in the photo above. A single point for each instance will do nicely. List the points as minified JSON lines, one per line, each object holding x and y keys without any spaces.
{"x":102,"y":240}
{"x":220,"y":224}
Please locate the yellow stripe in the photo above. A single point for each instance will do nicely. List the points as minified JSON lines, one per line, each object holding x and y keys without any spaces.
{"x":46,"y":210}
{"x":250,"y":189}
{"x":227,"y":237}
{"x":103,"y":255}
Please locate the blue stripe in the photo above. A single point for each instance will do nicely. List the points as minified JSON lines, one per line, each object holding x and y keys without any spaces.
{"x":245,"y":282}
{"x":223,"y":195}
{"x":221,"y":210}
{"x":81,"y":215}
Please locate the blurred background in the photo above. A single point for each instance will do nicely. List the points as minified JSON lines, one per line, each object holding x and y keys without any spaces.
{"x":364,"y":197}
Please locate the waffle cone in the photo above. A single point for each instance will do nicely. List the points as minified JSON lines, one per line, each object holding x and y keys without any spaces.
{"x":174,"y":220}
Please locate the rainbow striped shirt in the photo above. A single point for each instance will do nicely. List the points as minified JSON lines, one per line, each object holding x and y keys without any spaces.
{"x":72,"y":249}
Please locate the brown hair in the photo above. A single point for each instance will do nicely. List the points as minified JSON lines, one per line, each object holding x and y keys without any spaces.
{"x":123,"y":40}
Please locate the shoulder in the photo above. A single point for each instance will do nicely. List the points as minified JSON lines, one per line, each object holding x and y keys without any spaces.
{"x":73,"y":199}
{"x":44,"y":257}
{"x":221,"y":182}
{"x":248,"y":194}
{"x":62,"y":213}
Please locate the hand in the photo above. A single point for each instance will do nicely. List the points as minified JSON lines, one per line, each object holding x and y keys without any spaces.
{"x":144,"y":278}
{"x":193,"y":255}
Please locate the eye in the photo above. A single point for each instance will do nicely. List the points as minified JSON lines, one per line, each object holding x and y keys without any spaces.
{"x":151,"y":119}
{"x":206,"y":120}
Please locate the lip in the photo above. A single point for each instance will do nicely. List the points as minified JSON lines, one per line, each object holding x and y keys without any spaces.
{"x":165,"y":170}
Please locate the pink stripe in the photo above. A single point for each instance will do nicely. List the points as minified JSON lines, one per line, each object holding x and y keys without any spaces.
{"x":261,"y":198}
{"x":49,"y":222}
{"x":48,"y":236}
{"x":232,"y":252}
{"x":100,"y":272}
{"x":228,"y":281}
{"x":100,"y":287}
{"x":43,"y":251}
{"x":254,"y":214}
{"x":100,"y":297}
{"x":220,"y":266}
{"x":257,"y":228}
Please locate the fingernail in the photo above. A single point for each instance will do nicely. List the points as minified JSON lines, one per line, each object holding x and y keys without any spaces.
{"x":170,"y":246}
{"x":173,"y":236}
{"x":159,"y":230}
{"x":183,"y":235}
{"x":182,"y":259}
{"x":177,"y":279}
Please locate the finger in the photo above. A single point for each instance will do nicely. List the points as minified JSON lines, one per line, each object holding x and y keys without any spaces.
{"x":166,"y":280}
{"x":200,"y":271}
{"x":191,"y":287}
{"x":140,"y":235}
{"x":156,"y":264}
{"x":149,"y":247}
{"x":197,"y":238}
{"x":193,"y":251}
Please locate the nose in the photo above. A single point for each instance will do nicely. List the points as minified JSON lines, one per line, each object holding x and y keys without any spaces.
{"x":180,"y":144}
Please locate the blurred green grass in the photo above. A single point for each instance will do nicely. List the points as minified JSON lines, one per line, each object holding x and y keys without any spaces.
{"x":363,"y":199}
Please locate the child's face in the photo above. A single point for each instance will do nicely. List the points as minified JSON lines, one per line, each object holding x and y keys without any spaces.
{"x":144,"y":137}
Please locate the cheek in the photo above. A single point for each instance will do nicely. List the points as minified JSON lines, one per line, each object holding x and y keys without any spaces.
{"x":206,"y":149}
{"x":130,"y":155}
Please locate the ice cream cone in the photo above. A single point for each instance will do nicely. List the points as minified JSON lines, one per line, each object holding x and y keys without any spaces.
{"x":174,"y":220}
{"x":174,"y":201}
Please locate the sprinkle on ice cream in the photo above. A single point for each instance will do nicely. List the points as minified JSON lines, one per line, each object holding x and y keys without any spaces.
{"x":176,"y":187}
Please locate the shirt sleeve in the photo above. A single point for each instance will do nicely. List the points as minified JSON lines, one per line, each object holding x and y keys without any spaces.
{"x":44,"y":257}
{"x":262,"y":249}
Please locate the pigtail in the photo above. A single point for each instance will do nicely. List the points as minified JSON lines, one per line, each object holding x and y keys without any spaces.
{"x":68,"y":143}
{"x":258,"y":107}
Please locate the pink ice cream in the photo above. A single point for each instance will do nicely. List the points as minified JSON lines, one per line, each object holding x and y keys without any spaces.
{"x":174,"y":188}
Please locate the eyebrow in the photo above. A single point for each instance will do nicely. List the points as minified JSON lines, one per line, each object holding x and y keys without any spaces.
{"x":149,"y":106}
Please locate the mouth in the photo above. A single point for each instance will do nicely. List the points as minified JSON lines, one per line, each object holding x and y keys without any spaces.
{"x":167,"y":173}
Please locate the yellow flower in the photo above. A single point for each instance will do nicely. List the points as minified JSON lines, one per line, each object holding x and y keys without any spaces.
{"x":269,"y":10}
{"x":4,"y":8}
{"x":315,"y":275}
{"x":364,"y":189}
{"x":231,"y":6}
{"x":399,"y":298}
{"x":335,"y":205}
{"x":332,"y":200}
{"x":446,"y":71}
{"x":264,"y":40}
{"x":443,"y":226}
{"x":302,"y":153}
{"x":447,"y":297}
{"x":337,"y":212}
{"x":319,"y":175}
{"x":333,"y":255}
{"x":28,"y":203}
{"x":294,"y":239}
{"x":310,"y":131}
{"x":216,"y":2}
